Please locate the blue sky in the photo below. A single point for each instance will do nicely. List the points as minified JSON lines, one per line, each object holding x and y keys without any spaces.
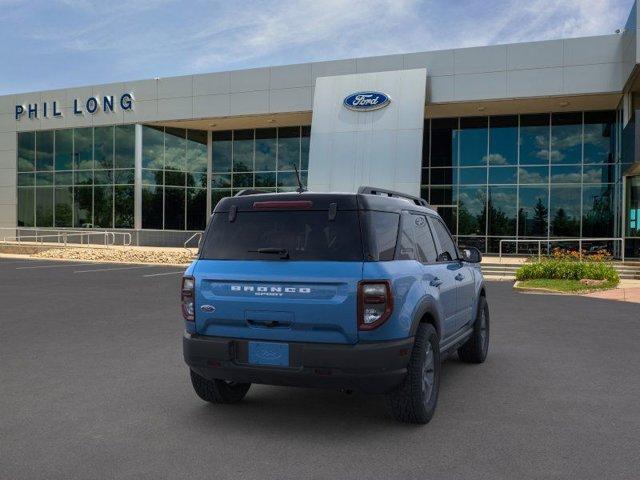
{"x":46,"y":44}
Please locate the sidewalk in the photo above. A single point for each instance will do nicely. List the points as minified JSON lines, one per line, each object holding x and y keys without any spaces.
{"x":627,"y":291}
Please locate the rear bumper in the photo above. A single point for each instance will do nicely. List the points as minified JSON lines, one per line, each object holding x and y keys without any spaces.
{"x":366,"y":367}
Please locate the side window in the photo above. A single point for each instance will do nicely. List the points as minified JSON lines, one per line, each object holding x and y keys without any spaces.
{"x":406,"y":243}
{"x":425,"y":246}
{"x":447,"y":250}
{"x":381,"y":233}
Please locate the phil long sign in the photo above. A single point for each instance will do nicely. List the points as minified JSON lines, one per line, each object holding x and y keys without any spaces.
{"x":91,"y":105}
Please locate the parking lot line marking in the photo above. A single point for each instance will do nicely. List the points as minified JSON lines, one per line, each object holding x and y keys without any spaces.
{"x":115,"y":268}
{"x":57,"y":265}
{"x":164,"y":273}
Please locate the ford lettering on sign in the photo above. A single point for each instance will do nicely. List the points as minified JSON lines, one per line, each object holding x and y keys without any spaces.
{"x":366,"y":101}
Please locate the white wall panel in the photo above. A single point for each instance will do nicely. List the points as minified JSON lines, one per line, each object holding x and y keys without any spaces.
{"x":382,"y":147}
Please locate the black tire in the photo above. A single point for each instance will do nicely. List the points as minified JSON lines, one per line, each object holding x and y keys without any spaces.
{"x":218,"y":391}
{"x":414,"y":401}
{"x":476,"y":348}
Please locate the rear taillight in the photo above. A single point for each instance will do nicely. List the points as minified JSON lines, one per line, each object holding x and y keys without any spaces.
{"x":187,"y":298}
{"x":375,"y":303}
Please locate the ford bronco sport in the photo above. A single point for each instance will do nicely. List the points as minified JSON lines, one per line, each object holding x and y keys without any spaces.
{"x":363,"y":292}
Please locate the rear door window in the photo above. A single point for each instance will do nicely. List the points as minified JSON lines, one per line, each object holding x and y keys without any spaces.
{"x":406,"y":240}
{"x":302,"y":234}
{"x":425,"y":246}
{"x":447,"y":250}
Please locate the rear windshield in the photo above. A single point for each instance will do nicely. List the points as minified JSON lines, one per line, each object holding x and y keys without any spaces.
{"x":278,"y":235}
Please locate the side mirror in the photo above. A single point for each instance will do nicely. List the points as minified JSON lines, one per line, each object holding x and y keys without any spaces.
{"x":471,"y":255}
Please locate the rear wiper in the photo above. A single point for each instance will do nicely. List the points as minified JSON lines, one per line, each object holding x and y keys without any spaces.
{"x":283,"y":252}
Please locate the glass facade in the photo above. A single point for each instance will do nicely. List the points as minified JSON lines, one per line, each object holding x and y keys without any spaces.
{"x":174,"y":178}
{"x":534,"y":176}
{"x":264,"y":158}
{"x":538,"y":176}
{"x":80,"y":177}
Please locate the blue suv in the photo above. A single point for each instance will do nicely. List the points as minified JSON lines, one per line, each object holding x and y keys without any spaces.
{"x":364,"y":292}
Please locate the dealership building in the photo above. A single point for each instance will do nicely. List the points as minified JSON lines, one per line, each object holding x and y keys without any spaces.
{"x":519,"y":142}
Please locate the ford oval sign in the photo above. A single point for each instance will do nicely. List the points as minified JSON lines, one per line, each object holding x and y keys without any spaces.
{"x":366,"y":101}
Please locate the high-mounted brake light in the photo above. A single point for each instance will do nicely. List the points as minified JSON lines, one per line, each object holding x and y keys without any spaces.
{"x":375,"y":303}
{"x":187,"y":298}
{"x":285,"y":204}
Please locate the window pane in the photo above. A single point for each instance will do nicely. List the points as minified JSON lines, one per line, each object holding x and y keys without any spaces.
{"x":446,"y":242}
{"x":221,"y":181}
{"x":102,"y":177}
{"x":152,"y":147}
{"x":565,"y":211}
{"x":64,"y":206}
{"x":502,"y":211}
{"x":471,"y":210}
{"x":83,"y":204}
{"x":26,"y":151}
{"x":534,"y":174}
{"x":124,"y":206}
{"x":26,"y":201}
{"x":83,"y":148}
{"x":534,"y":139}
{"x":597,"y":211}
{"x":566,"y":174}
{"x":174,"y":208}
{"x":175,"y":149}
{"x":64,"y":150}
{"x":124,"y":176}
{"x":83,"y":177}
{"x":265,"y":179}
{"x":196,"y":151}
{"x":304,"y":147}
{"x":599,"y":141}
{"x":473,"y":176}
{"x":503,"y":175}
{"x":44,"y":207}
{"x":103,"y":147}
{"x":566,"y":138}
{"x":152,"y":207}
{"x":450,"y":217}
{"x":442,"y":196}
{"x":44,"y":150}
{"x":425,"y":246}
{"x":125,"y":151}
{"x":103,"y":207}
{"x":26,"y":179}
{"x":243,"y":150}
{"x":473,"y":141}
{"x":503,"y":140}
{"x":443,"y":142}
{"x":221,"y":151}
{"x":288,"y":148}
{"x":197,"y":179}
{"x":600,"y":173}
{"x":534,"y":211}
{"x":242,"y":180}
{"x":44,"y":179}
{"x":443,"y":176}
{"x":172,"y":178}
{"x":381,"y":232}
{"x":266,"y":149}
{"x":196,"y":208}
{"x":152,"y":177}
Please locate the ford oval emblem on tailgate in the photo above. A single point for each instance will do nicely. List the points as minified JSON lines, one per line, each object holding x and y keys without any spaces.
{"x":207,"y":308}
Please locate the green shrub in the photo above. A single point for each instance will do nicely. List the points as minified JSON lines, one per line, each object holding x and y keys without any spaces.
{"x":567,"y":270}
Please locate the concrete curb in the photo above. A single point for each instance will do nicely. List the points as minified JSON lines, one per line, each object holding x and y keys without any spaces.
{"x":114,"y":262}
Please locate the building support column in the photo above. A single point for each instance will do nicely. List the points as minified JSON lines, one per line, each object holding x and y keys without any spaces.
{"x":209,"y":170}
{"x":137,"y":196}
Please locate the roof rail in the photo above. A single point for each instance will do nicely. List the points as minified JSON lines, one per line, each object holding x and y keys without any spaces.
{"x":249,"y":191}
{"x":392,"y":193}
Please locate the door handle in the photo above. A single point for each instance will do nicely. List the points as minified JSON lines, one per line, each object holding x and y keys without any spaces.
{"x":459,"y":277}
{"x":436,"y":282}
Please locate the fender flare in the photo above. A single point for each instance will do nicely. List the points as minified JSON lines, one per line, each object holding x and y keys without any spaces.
{"x":428,"y":305}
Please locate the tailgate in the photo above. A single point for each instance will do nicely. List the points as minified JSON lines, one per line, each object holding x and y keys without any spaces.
{"x":298,"y":301}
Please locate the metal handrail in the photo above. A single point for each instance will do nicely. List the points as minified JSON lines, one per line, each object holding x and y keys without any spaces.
{"x":62,"y":238}
{"x":197,"y":234}
{"x":548,"y":241}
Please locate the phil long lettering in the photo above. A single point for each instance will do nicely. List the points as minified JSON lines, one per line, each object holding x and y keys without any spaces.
{"x":92,"y":105}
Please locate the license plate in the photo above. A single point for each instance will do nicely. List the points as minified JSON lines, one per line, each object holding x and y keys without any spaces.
{"x":267,"y":353}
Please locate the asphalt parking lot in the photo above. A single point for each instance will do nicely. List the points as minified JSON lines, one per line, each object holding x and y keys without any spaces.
{"x":92,"y":385}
